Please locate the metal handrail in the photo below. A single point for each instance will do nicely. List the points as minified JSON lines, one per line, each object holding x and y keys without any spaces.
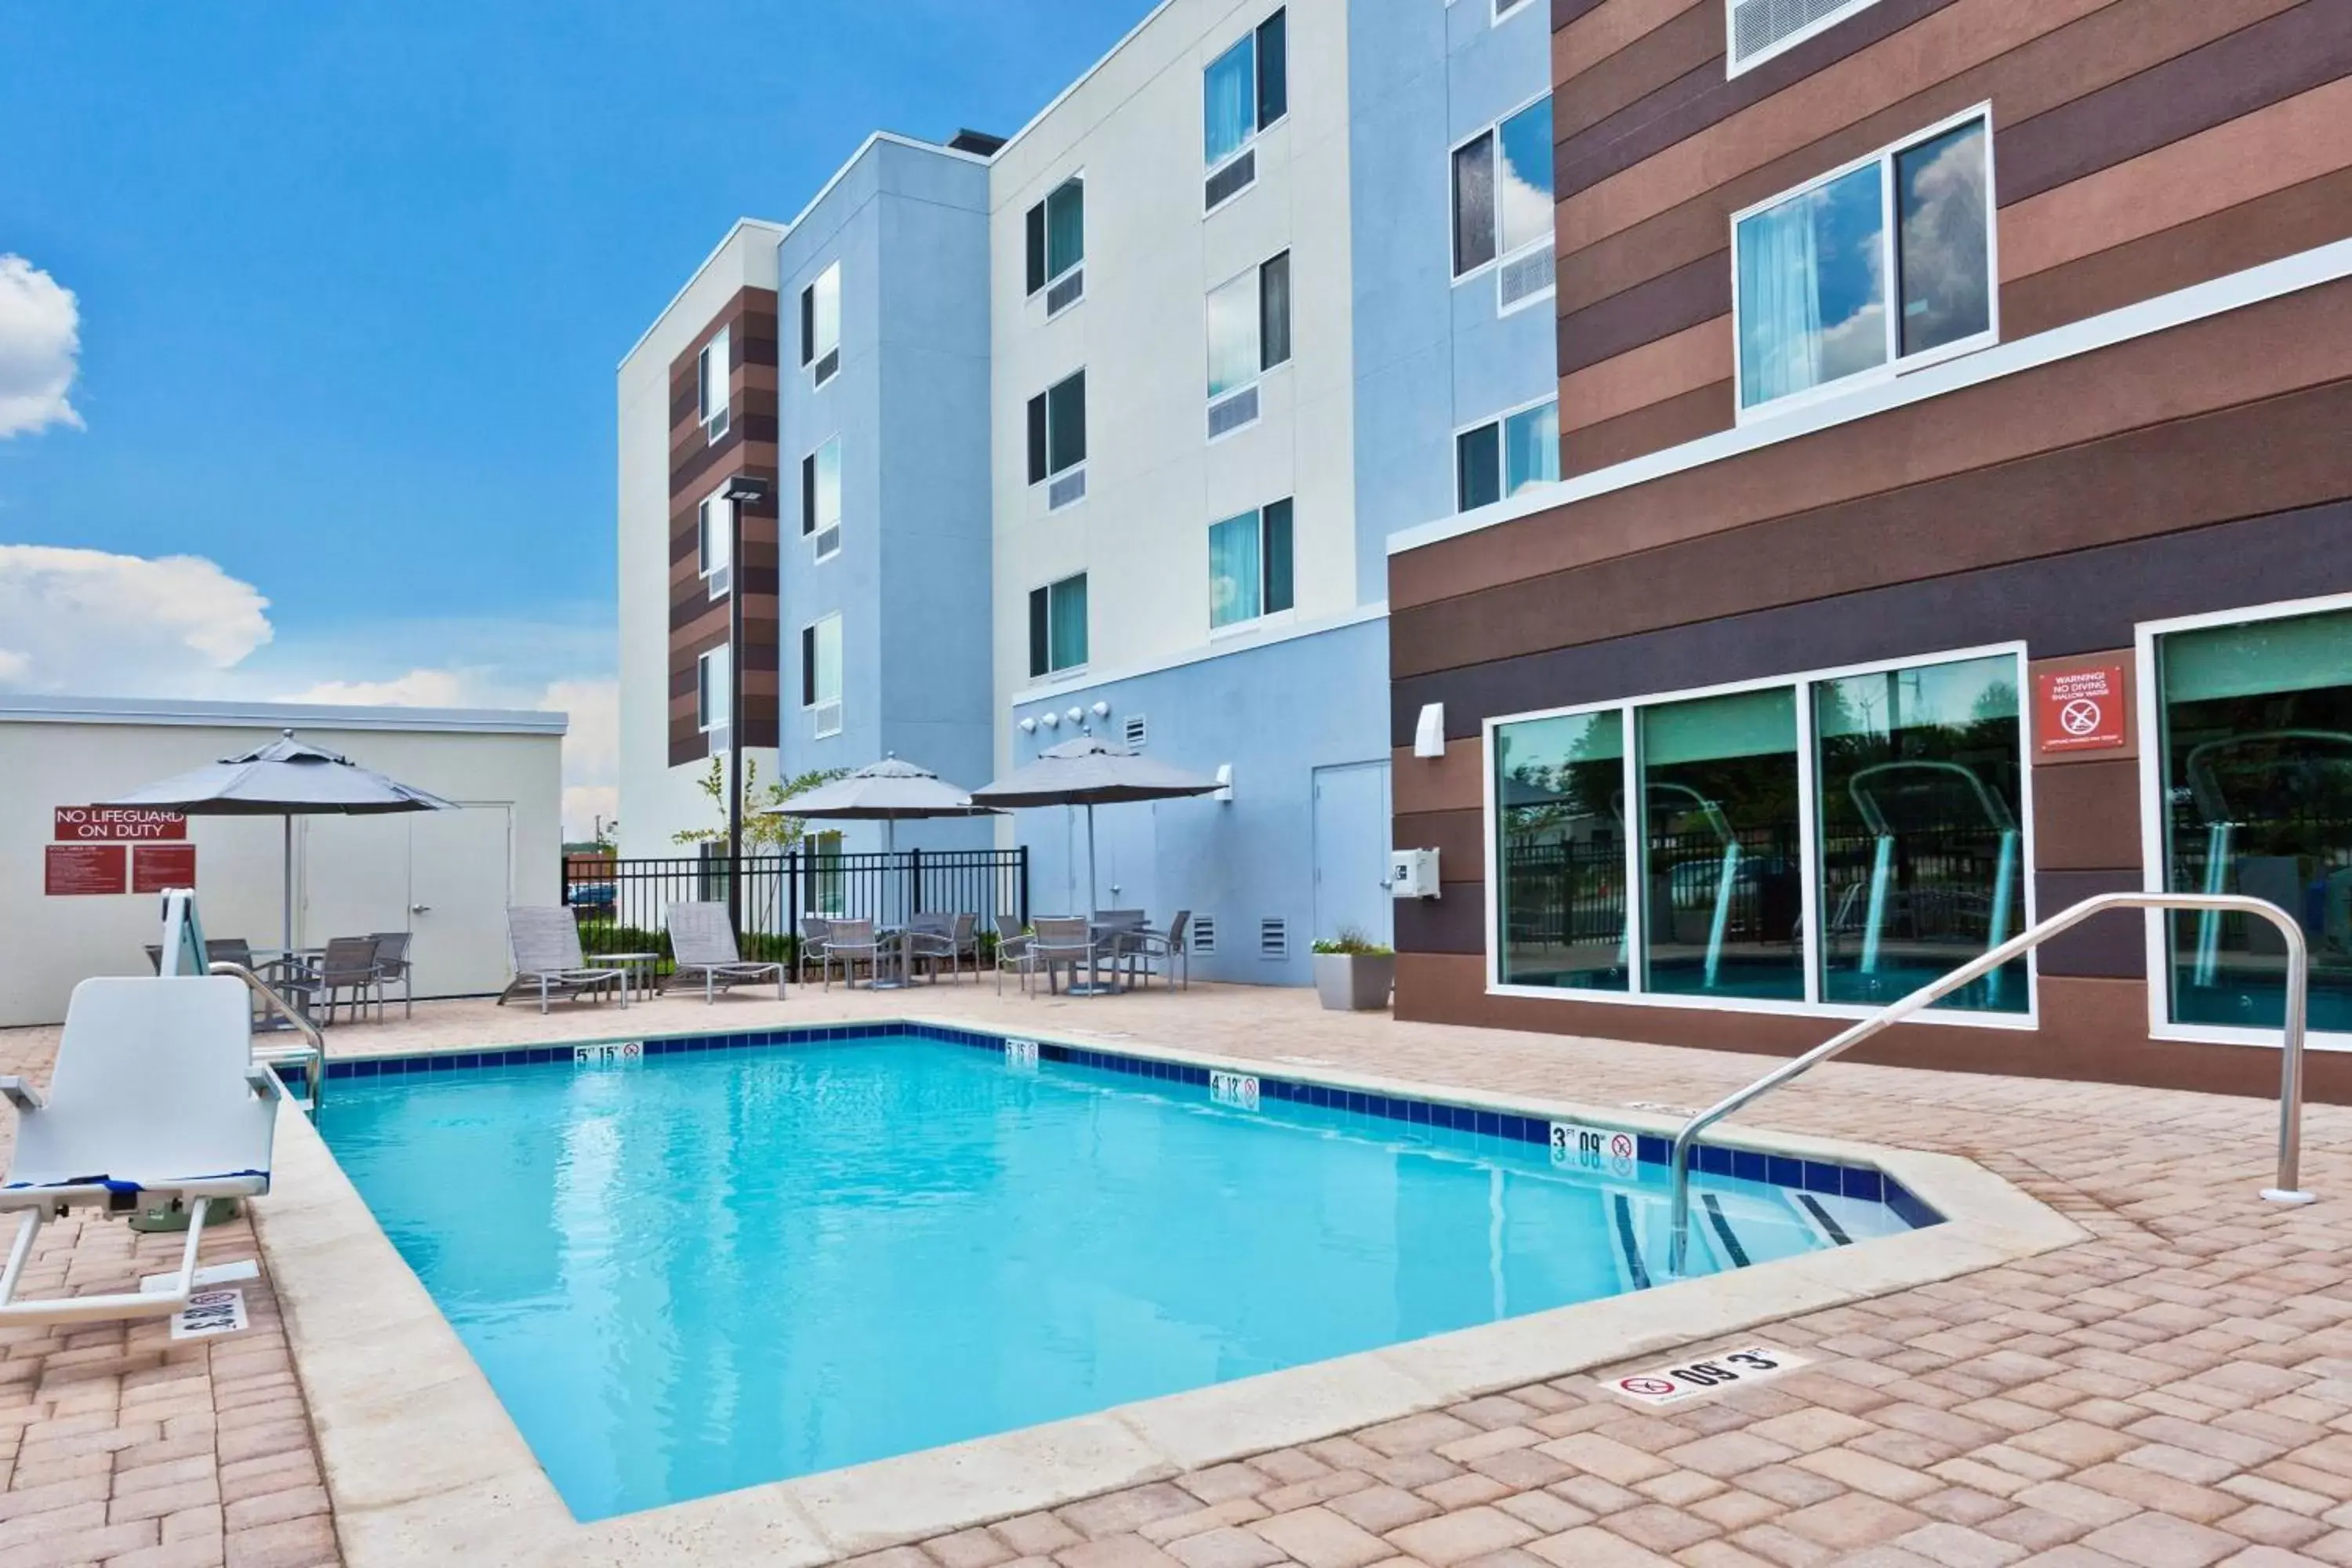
{"x":2298,"y":969}
{"x":278,"y":1004}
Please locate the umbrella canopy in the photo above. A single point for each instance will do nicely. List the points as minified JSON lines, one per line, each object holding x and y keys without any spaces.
{"x":286,"y":779}
{"x":1090,"y":771}
{"x":886,"y":791}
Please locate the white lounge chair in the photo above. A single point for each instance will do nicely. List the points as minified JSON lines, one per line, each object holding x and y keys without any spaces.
{"x":156,"y":1096}
{"x":702,"y":942}
{"x":544,"y":941}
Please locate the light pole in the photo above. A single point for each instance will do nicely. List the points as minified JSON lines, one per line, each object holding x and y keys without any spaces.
{"x":742,"y":489}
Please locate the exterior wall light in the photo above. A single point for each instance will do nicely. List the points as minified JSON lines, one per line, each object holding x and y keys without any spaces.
{"x":1028,"y":726}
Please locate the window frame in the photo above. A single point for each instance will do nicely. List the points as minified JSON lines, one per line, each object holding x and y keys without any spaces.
{"x":1503,"y":11}
{"x":707,"y":546}
{"x":704,"y":697}
{"x":1052,"y":670}
{"x":812,"y":645}
{"x":813,"y":523}
{"x":1493,"y":131}
{"x":1896,"y":364}
{"x":1502,"y":450}
{"x":2147,"y":715}
{"x":1041,"y":211}
{"x":715,"y":421}
{"x":1262,"y":616}
{"x":1041,"y":470}
{"x":1734,"y":65}
{"x":1801,"y":683}
{"x":1289,"y":346}
{"x":814,"y":354}
{"x":1252,"y":37}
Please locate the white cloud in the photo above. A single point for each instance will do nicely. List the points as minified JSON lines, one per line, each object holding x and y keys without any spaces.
{"x":97,"y":624}
{"x":40,"y":343}
{"x":417,"y":688}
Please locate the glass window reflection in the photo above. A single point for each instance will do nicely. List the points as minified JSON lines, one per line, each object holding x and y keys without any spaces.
{"x":1560,"y":787}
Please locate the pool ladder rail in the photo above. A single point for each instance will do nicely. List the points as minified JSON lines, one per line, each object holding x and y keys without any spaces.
{"x":2289,"y":1189}
{"x":310,"y":1056}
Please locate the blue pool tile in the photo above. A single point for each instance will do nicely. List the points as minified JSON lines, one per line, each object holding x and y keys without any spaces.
{"x":1866,"y":1186}
{"x":1653,"y":1151}
{"x":1747,"y":1166}
{"x":441,"y":1064}
{"x":1782,"y":1172}
{"x":1417,"y":1113}
{"x":1490,"y":1125}
{"x":1712,"y":1161}
{"x":1820,"y":1178}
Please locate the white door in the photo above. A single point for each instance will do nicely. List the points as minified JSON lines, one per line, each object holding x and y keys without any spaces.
{"x":460,"y":882}
{"x":1351,"y":851}
{"x":353,"y":877}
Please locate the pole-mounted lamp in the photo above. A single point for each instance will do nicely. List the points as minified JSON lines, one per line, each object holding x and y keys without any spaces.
{"x":742,"y":489}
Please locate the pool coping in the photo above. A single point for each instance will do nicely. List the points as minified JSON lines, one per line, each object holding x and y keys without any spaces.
{"x":421,"y":1457}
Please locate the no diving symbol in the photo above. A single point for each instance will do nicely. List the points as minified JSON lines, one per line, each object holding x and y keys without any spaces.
{"x":2079,"y":717}
{"x":1656,"y":1387}
{"x":1620,"y":1147}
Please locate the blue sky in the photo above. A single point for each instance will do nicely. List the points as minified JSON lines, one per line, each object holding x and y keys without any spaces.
{"x":348,"y":283}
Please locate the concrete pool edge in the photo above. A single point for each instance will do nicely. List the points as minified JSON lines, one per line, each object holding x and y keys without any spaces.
{"x":421,"y":1457}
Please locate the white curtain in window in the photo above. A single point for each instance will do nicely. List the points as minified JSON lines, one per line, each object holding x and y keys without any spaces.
{"x":1232,"y":334}
{"x":716,"y":541}
{"x":827,"y":310}
{"x":1229,"y":101}
{"x":1234,"y":584}
{"x":1779,"y":303}
{"x":828,"y":483}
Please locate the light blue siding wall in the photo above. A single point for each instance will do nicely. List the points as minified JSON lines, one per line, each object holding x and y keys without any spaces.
{"x":1274,"y":713}
{"x":909,"y":227}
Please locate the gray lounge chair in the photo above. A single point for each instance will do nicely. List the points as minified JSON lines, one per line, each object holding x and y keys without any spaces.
{"x":703,"y":943}
{"x":814,"y":930}
{"x":1012,"y":940}
{"x":544,"y":943}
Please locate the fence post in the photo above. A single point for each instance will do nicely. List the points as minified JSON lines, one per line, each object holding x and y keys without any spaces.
{"x":915,"y":877}
{"x":793,"y":897}
{"x":1021,"y":859}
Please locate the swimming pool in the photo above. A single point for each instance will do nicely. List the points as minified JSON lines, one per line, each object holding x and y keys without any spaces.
{"x":716,"y":1266}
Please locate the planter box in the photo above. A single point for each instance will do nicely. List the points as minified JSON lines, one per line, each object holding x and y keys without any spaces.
{"x":1354,"y":982}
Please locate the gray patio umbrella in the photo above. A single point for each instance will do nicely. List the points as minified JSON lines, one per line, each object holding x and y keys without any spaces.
{"x":285,"y":778}
{"x":888,"y":791}
{"x":1092,"y":772}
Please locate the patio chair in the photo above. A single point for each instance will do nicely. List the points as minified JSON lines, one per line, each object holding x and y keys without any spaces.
{"x":392,"y":964}
{"x":155,"y":1095}
{"x":347,"y":966}
{"x":1112,"y":931}
{"x":1012,"y":940}
{"x":1058,"y":945}
{"x":810,"y":948}
{"x":544,"y":943}
{"x":850,"y":943}
{"x":1163,"y":951}
{"x":703,"y":942}
{"x":936,"y":936}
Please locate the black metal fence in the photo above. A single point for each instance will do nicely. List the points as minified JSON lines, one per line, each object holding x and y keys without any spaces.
{"x":623,"y":906}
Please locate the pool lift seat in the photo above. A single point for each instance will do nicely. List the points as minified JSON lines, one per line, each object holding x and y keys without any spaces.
{"x":156,"y":1096}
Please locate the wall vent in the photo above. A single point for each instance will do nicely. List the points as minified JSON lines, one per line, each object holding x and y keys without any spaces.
{"x":715,"y":428}
{"x":1230,"y":180}
{"x":828,"y":542}
{"x":821,"y":371}
{"x":1066,"y":293}
{"x":719,"y":579}
{"x":1066,"y":488}
{"x":1135,"y":732}
{"x":1236,"y":410}
{"x":1523,"y":278}
{"x":825,"y":720}
{"x":1760,"y":27}
{"x":1273,"y":937}
{"x":1205,"y":933}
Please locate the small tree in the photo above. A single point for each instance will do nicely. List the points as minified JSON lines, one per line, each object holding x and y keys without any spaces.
{"x":765,"y":833}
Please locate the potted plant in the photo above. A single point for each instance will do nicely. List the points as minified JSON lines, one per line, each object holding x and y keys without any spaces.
{"x":1352,"y":973}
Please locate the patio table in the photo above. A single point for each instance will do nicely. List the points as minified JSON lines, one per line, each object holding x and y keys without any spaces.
{"x":637,"y":967}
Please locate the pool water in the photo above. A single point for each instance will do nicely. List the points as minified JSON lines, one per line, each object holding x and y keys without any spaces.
{"x":702,"y":1272}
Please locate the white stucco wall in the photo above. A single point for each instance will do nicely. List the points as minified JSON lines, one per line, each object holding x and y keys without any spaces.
{"x":656,"y":798}
{"x":354,"y":876}
{"x":1155,"y":483}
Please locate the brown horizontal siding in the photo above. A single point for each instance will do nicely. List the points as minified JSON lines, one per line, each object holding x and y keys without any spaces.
{"x":2260,"y":458}
{"x":1450,"y":783}
{"x":1669,"y":303}
{"x":1454,"y":922}
{"x":1653,"y":427}
{"x":1458,"y":837}
{"x":2086,"y":816}
{"x":1648,"y":79}
{"x":2266,"y":350}
{"x":2094,"y":1029}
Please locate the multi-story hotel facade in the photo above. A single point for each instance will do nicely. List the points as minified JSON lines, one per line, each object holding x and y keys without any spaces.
{"x":1956,"y":521}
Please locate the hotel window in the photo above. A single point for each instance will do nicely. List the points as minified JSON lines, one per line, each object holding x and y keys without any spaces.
{"x":821,"y":325}
{"x":2256,"y":761}
{"x":1249,"y":565}
{"x":821,"y":675}
{"x":1874,"y":269}
{"x":1917,"y":772}
{"x":1242,"y":91}
{"x":1758,"y":30}
{"x":1503,"y":206}
{"x":710,"y":690}
{"x":1249,"y":334}
{"x":1058,"y":441}
{"x":710,"y":370}
{"x":1503,"y":457}
{"x":1841,"y":840}
{"x":1058,"y":626}
{"x":820,"y":500}
{"x":1055,"y":233}
{"x":714,"y":540}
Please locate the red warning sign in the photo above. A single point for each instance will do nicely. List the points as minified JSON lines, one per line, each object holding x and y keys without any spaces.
{"x":2082,"y":710}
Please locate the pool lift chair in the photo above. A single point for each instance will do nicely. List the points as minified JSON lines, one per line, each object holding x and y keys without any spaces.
{"x":1882,"y":870}
{"x":157,"y":1095}
{"x":2221,"y":828}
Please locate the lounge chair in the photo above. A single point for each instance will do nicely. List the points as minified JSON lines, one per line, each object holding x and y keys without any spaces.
{"x":1012,"y":940}
{"x":544,"y":943}
{"x":157,"y":1095}
{"x":810,"y":948}
{"x":347,"y":966}
{"x":703,"y":943}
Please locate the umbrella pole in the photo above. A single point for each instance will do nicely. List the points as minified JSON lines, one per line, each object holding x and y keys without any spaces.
{"x":286,"y":926}
{"x":1094,"y":893}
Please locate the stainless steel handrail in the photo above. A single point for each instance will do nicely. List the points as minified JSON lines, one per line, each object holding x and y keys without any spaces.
{"x":2298,"y":969}
{"x":287,"y":1010}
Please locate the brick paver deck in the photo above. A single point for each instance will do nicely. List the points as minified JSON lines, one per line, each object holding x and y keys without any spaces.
{"x":2175,"y":1391}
